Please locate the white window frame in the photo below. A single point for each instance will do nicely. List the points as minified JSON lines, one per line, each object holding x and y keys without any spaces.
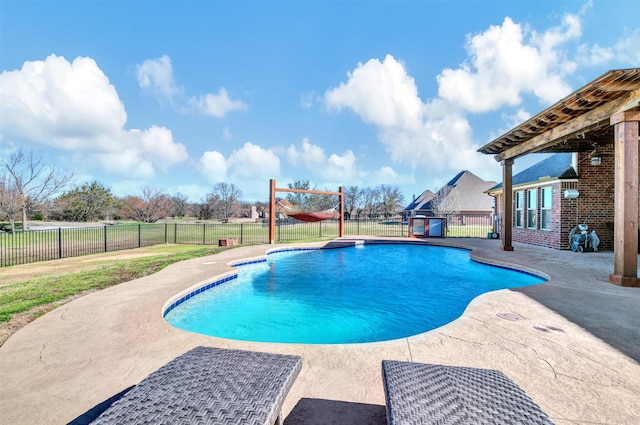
{"x":532,"y":209}
{"x":519,"y":208}
{"x":545,"y":207}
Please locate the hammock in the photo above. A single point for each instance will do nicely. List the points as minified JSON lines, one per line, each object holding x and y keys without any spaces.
{"x":309,"y":216}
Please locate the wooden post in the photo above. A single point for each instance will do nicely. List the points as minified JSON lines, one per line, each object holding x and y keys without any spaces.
{"x":507,"y":207}
{"x":341,"y":226}
{"x":625,"y":238}
{"x":272,"y":211}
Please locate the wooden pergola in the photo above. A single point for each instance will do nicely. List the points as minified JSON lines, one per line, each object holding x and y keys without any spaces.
{"x":605,"y":111}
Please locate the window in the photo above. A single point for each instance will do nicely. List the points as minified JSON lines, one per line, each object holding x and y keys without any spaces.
{"x":531,"y":209}
{"x":545,"y":208}
{"x":519,"y":207}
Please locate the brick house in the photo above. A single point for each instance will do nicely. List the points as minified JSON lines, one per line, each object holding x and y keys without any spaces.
{"x":599,"y":123}
{"x":544,"y":216}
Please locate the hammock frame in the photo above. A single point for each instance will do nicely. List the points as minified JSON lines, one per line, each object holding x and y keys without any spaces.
{"x":309,"y":216}
{"x":302,"y":215}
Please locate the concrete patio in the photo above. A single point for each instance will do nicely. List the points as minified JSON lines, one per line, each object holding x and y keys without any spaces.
{"x":574,"y":345}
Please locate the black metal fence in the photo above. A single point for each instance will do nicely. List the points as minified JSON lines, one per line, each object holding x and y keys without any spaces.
{"x":41,"y":245}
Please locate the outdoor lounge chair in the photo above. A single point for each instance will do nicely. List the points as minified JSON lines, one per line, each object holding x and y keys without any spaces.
{"x":420,"y":394}
{"x":209,"y":386}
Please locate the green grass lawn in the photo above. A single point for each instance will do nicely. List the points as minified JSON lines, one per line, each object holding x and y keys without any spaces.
{"x":32,"y":294}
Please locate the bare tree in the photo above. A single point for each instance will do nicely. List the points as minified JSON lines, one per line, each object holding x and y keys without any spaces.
{"x":152,"y":206}
{"x":179,"y":205}
{"x":29,"y":181}
{"x":352,"y":197}
{"x":390,"y":199}
{"x":229,"y":198}
{"x":446,"y":201}
{"x":9,"y":201}
{"x":369,"y":200}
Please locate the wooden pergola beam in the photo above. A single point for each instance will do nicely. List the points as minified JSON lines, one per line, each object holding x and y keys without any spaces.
{"x":585,"y":122}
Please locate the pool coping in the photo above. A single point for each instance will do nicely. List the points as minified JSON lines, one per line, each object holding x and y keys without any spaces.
{"x":84,"y":352}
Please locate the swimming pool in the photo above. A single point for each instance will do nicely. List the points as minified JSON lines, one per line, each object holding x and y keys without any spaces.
{"x":366,"y":293}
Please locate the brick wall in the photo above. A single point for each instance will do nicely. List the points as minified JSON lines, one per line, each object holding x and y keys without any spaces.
{"x":594,"y":206}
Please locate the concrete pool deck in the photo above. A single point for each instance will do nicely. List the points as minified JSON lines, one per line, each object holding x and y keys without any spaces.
{"x":574,"y":346}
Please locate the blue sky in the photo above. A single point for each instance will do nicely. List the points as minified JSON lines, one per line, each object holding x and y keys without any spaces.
{"x":182,"y":95}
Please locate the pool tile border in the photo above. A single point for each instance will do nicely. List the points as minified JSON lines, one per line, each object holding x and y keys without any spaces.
{"x":234,"y":276}
{"x":198,"y":291}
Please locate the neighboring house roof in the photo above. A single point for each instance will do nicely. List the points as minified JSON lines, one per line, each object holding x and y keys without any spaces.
{"x":556,"y":167}
{"x":419,"y":202}
{"x":464,"y":192}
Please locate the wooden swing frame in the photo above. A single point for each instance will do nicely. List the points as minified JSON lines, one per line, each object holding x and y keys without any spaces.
{"x":272,"y":206}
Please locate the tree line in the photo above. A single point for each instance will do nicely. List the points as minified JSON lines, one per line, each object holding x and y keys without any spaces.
{"x":31,"y":189}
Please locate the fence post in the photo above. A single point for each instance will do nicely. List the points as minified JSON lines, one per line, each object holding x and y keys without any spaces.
{"x":241,"y":233}
{"x":139,"y":235}
{"x":166,"y":231}
{"x":59,"y":242}
{"x":105,"y":238}
{"x":175,"y":232}
{"x":320,"y":229}
{"x":204,"y":233}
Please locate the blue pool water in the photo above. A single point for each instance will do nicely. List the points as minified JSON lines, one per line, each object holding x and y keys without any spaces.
{"x":346,"y":295}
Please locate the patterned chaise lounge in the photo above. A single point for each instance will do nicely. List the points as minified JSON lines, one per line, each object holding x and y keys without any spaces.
{"x":209,"y":385}
{"x":421,"y":394}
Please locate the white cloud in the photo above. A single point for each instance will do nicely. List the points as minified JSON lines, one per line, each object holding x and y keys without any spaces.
{"x":627,"y":49}
{"x":387,"y":173}
{"x":59,"y":104}
{"x":217,"y":105}
{"x":624,"y":51}
{"x":246,"y":164}
{"x":381,"y":93}
{"x":434,"y":137}
{"x":213,"y":166}
{"x":591,"y":55}
{"x":507,"y":61}
{"x":253,"y":161}
{"x":157,"y":143}
{"x":157,"y":75}
{"x":309,"y":156}
{"x":313,"y":158}
{"x":341,"y":165}
{"x":72,"y":106}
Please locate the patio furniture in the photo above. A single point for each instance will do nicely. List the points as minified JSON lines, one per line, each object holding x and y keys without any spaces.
{"x":421,"y":394}
{"x":210,"y":385}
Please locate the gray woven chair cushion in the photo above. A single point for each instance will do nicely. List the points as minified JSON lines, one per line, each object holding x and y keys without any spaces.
{"x":209,"y":386}
{"x":420,"y":394}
